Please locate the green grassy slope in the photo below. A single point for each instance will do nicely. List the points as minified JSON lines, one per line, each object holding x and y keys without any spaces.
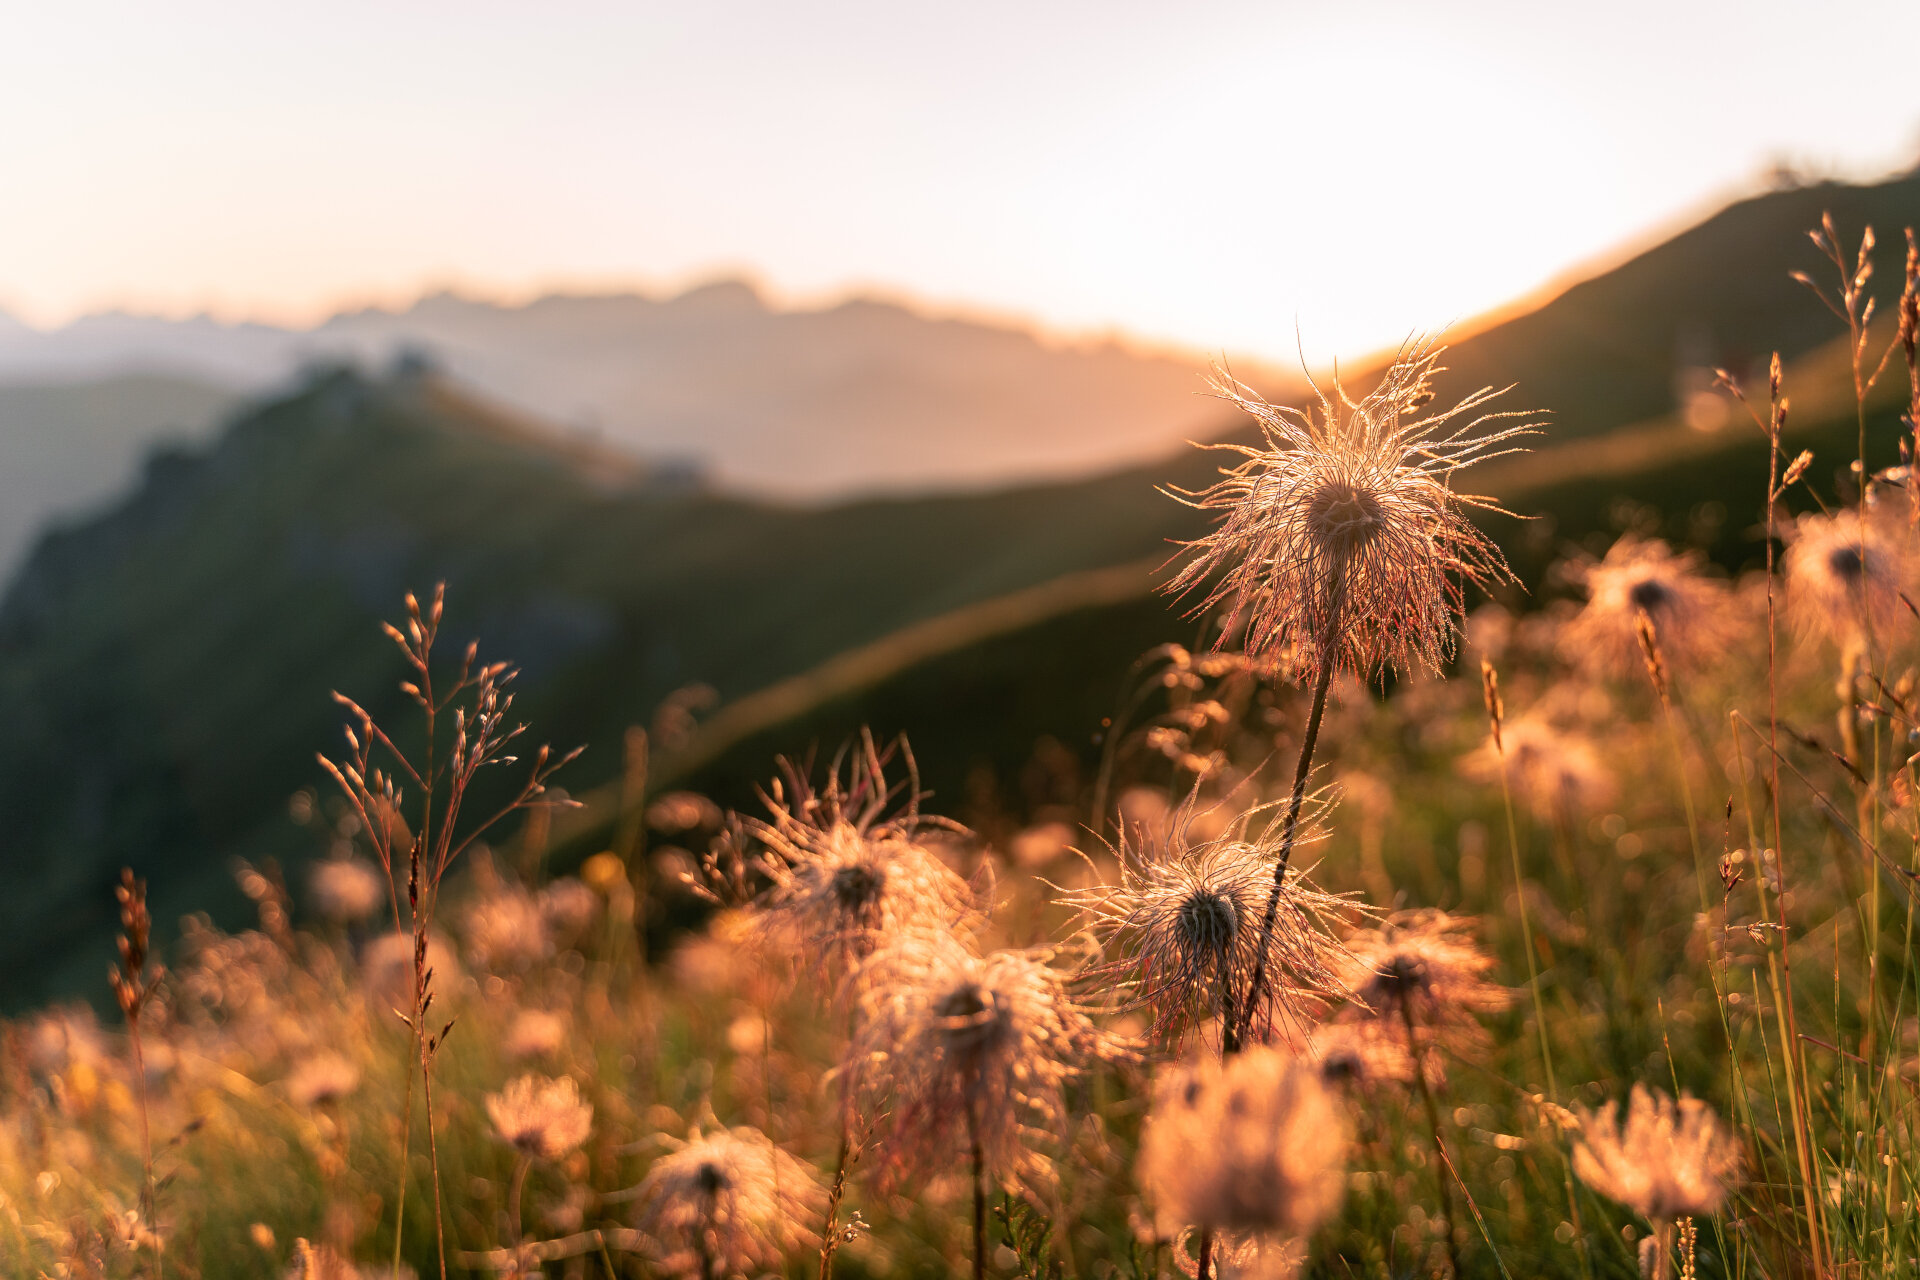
{"x":165,"y":670}
{"x":1613,"y":348}
{"x":976,"y":705}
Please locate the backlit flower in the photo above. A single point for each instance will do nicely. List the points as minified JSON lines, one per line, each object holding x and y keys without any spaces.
{"x":1665,"y":1160}
{"x":1342,"y":531}
{"x":540,"y":1116}
{"x":1255,"y":1144}
{"x":958,"y":1046}
{"x":729,"y":1204}
{"x":1693,"y":616}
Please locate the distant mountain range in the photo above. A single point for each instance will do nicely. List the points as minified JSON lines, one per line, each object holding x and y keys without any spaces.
{"x":864,"y":396}
{"x":164,"y":667}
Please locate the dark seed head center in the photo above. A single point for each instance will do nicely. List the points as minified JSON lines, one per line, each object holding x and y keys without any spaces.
{"x":859,"y":886}
{"x":1649,"y":594}
{"x":1208,"y":921}
{"x":711,"y":1178}
{"x":1345,"y":516}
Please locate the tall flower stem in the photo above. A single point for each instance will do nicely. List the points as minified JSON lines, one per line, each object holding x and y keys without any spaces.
{"x":433,"y":1157}
{"x":979,"y":1159}
{"x":829,"y":1239}
{"x":1328,"y":646}
{"x":514,"y":1190}
{"x":406,"y":1143}
{"x":709,"y":1264}
{"x":1229,"y":1017}
{"x":1441,"y":1165}
{"x":1656,"y":1254}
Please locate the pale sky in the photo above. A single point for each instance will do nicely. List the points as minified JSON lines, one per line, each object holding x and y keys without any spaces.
{"x":1204,"y":174}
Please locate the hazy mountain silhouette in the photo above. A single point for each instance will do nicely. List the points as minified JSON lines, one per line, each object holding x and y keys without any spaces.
{"x":66,"y":450}
{"x":808,"y":404}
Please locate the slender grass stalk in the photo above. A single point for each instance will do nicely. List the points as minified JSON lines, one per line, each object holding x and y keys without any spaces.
{"x":406,"y":1142}
{"x":829,"y":1238}
{"x":1794,"y":1062}
{"x":149,"y":1192}
{"x":630,"y":844}
{"x":829,"y":1235}
{"x":132,"y":985}
{"x":1229,"y":1026}
{"x":1656,"y":1262}
{"x":433,"y":1158}
{"x":481,"y":737}
{"x":1779,"y":959}
{"x":1478,"y":1219}
{"x":709,"y":1264}
{"x":1132,"y":697}
{"x":1669,"y":696}
{"x":1496,"y":715}
{"x":1442,"y":1166}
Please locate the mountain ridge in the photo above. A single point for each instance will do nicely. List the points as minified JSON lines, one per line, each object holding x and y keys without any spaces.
{"x":814,"y":404}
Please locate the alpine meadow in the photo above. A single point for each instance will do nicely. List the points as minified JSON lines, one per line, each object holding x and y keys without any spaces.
{"x":618,"y":783}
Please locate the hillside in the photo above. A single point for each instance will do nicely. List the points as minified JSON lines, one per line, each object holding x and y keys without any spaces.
{"x":810,"y":404}
{"x":979,"y":689}
{"x":164,"y":669}
{"x":66,"y":448}
{"x":1638,"y":340}
{"x":167,"y":681}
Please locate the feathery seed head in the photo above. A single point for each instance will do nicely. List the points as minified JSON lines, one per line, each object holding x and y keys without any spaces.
{"x":729,"y":1204}
{"x":841,"y":878}
{"x":858,"y":887}
{"x":1424,"y":965}
{"x":534,"y":1033}
{"x":346,"y":890}
{"x":951,"y":1040}
{"x":321,"y":1080}
{"x":1254,"y":1144}
{"x":1366,"y":1055}
{"x":568,"y":907}
{"x":1342,"y":532}
{"x":1666,"y":1160}
{"x":1846,"y":577}
{"x":1558,"y":775}
{"x":321,"y":1262}
{"x":541,"y":1116}
{"x":506,"y":931}
{"x":1183,"y":925}
{"x":1643,"y":578}
{"x":838,"y":893}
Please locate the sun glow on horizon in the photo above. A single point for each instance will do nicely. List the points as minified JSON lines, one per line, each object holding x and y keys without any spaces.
{"x":1234,"y":180}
